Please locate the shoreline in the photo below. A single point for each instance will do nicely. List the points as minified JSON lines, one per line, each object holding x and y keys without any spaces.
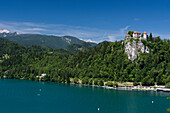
{"x":143,"y":88}
{"x":139,"y":88}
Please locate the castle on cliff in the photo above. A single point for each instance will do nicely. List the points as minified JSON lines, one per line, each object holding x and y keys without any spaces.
{"x":137,"y":34}
{"x":134,"y":47}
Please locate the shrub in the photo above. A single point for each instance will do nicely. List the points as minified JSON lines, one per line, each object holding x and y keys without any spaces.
{"x":135,"y":83}
{"x":167,"y":85}
{"x":110,"y":84}
{"x":154,"y":87}
{"x":115,"y":84}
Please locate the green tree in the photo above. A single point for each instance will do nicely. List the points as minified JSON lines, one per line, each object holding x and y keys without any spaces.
{"x":95,"y":81}
{"x":85,"y":81}
{"x":90,"y":82}
{"x":76,"y":80}
{"x":101,"y":83}
{"x":130,"y":33}
{"x":150,"y":37}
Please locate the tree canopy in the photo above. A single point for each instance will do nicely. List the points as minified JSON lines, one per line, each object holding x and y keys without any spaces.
{"x":107,"y":61}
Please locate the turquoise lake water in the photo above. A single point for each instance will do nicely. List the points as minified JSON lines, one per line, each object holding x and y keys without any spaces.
{"x":22,"y":96}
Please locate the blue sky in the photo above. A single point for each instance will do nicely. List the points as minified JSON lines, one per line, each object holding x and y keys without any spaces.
{"x":95,"y":20}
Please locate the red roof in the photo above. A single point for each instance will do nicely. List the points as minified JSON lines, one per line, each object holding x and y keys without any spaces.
{"x":144,"y":32}
{"x":136,"y":32}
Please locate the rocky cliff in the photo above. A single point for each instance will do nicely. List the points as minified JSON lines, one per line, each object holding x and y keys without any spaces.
{"x":134,"y":46}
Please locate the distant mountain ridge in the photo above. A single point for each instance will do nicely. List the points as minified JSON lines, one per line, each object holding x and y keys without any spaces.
{"x":7,"y":34}
{"x":8,"y":48}
{"x":42,"y":40}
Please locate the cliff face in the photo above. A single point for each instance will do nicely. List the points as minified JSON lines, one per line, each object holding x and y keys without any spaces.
{"x":134,"y":46}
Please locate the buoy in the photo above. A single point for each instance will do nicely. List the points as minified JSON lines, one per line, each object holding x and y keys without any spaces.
{"x":152,"y":102}
{"x":38,"y":94}
{"x":40,"y":89}
{"x":98,"y":109}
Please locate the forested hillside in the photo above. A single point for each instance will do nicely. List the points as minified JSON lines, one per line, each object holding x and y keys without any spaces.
{"x":74,"y":48}
{"x":8,"y":48}
{"x":42,"y":40}
{"x":106,"y":61}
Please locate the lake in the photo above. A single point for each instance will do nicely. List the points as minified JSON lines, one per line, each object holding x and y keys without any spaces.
{"x":23,"y":96}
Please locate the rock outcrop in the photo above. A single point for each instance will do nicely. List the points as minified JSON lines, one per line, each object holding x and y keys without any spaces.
{"x":134,"y":46}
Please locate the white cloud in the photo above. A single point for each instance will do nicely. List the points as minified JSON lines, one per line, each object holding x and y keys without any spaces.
{"x":85,"y":33}
{"x":35,"y":29}
{"x":121,"y":33}
{"x":89,"y":40}
{"x":124,"y":29}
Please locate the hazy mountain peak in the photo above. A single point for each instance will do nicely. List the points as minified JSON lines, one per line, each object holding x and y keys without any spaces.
{"x":4,"y":31}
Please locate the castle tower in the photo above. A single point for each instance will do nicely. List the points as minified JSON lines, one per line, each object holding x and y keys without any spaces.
{"x":145,"y":36}
{"x":136,"y":34}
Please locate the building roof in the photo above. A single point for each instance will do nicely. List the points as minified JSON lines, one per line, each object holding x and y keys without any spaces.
{"x":144,"y":32}
{"x":136,"y":32}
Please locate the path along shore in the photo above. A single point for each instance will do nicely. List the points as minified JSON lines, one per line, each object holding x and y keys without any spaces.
{"x":144,"y":88}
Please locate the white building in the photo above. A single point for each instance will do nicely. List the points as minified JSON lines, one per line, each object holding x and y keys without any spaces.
{"x":145,"y":36}
{"x":136,"y":34}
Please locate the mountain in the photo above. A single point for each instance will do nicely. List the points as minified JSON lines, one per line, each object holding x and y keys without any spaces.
{"x":92,"y":43}
{"x":9,"y":48}
{"x":4,"y":33}
{"x":12,"y":47}
{"x":41,"y":40}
